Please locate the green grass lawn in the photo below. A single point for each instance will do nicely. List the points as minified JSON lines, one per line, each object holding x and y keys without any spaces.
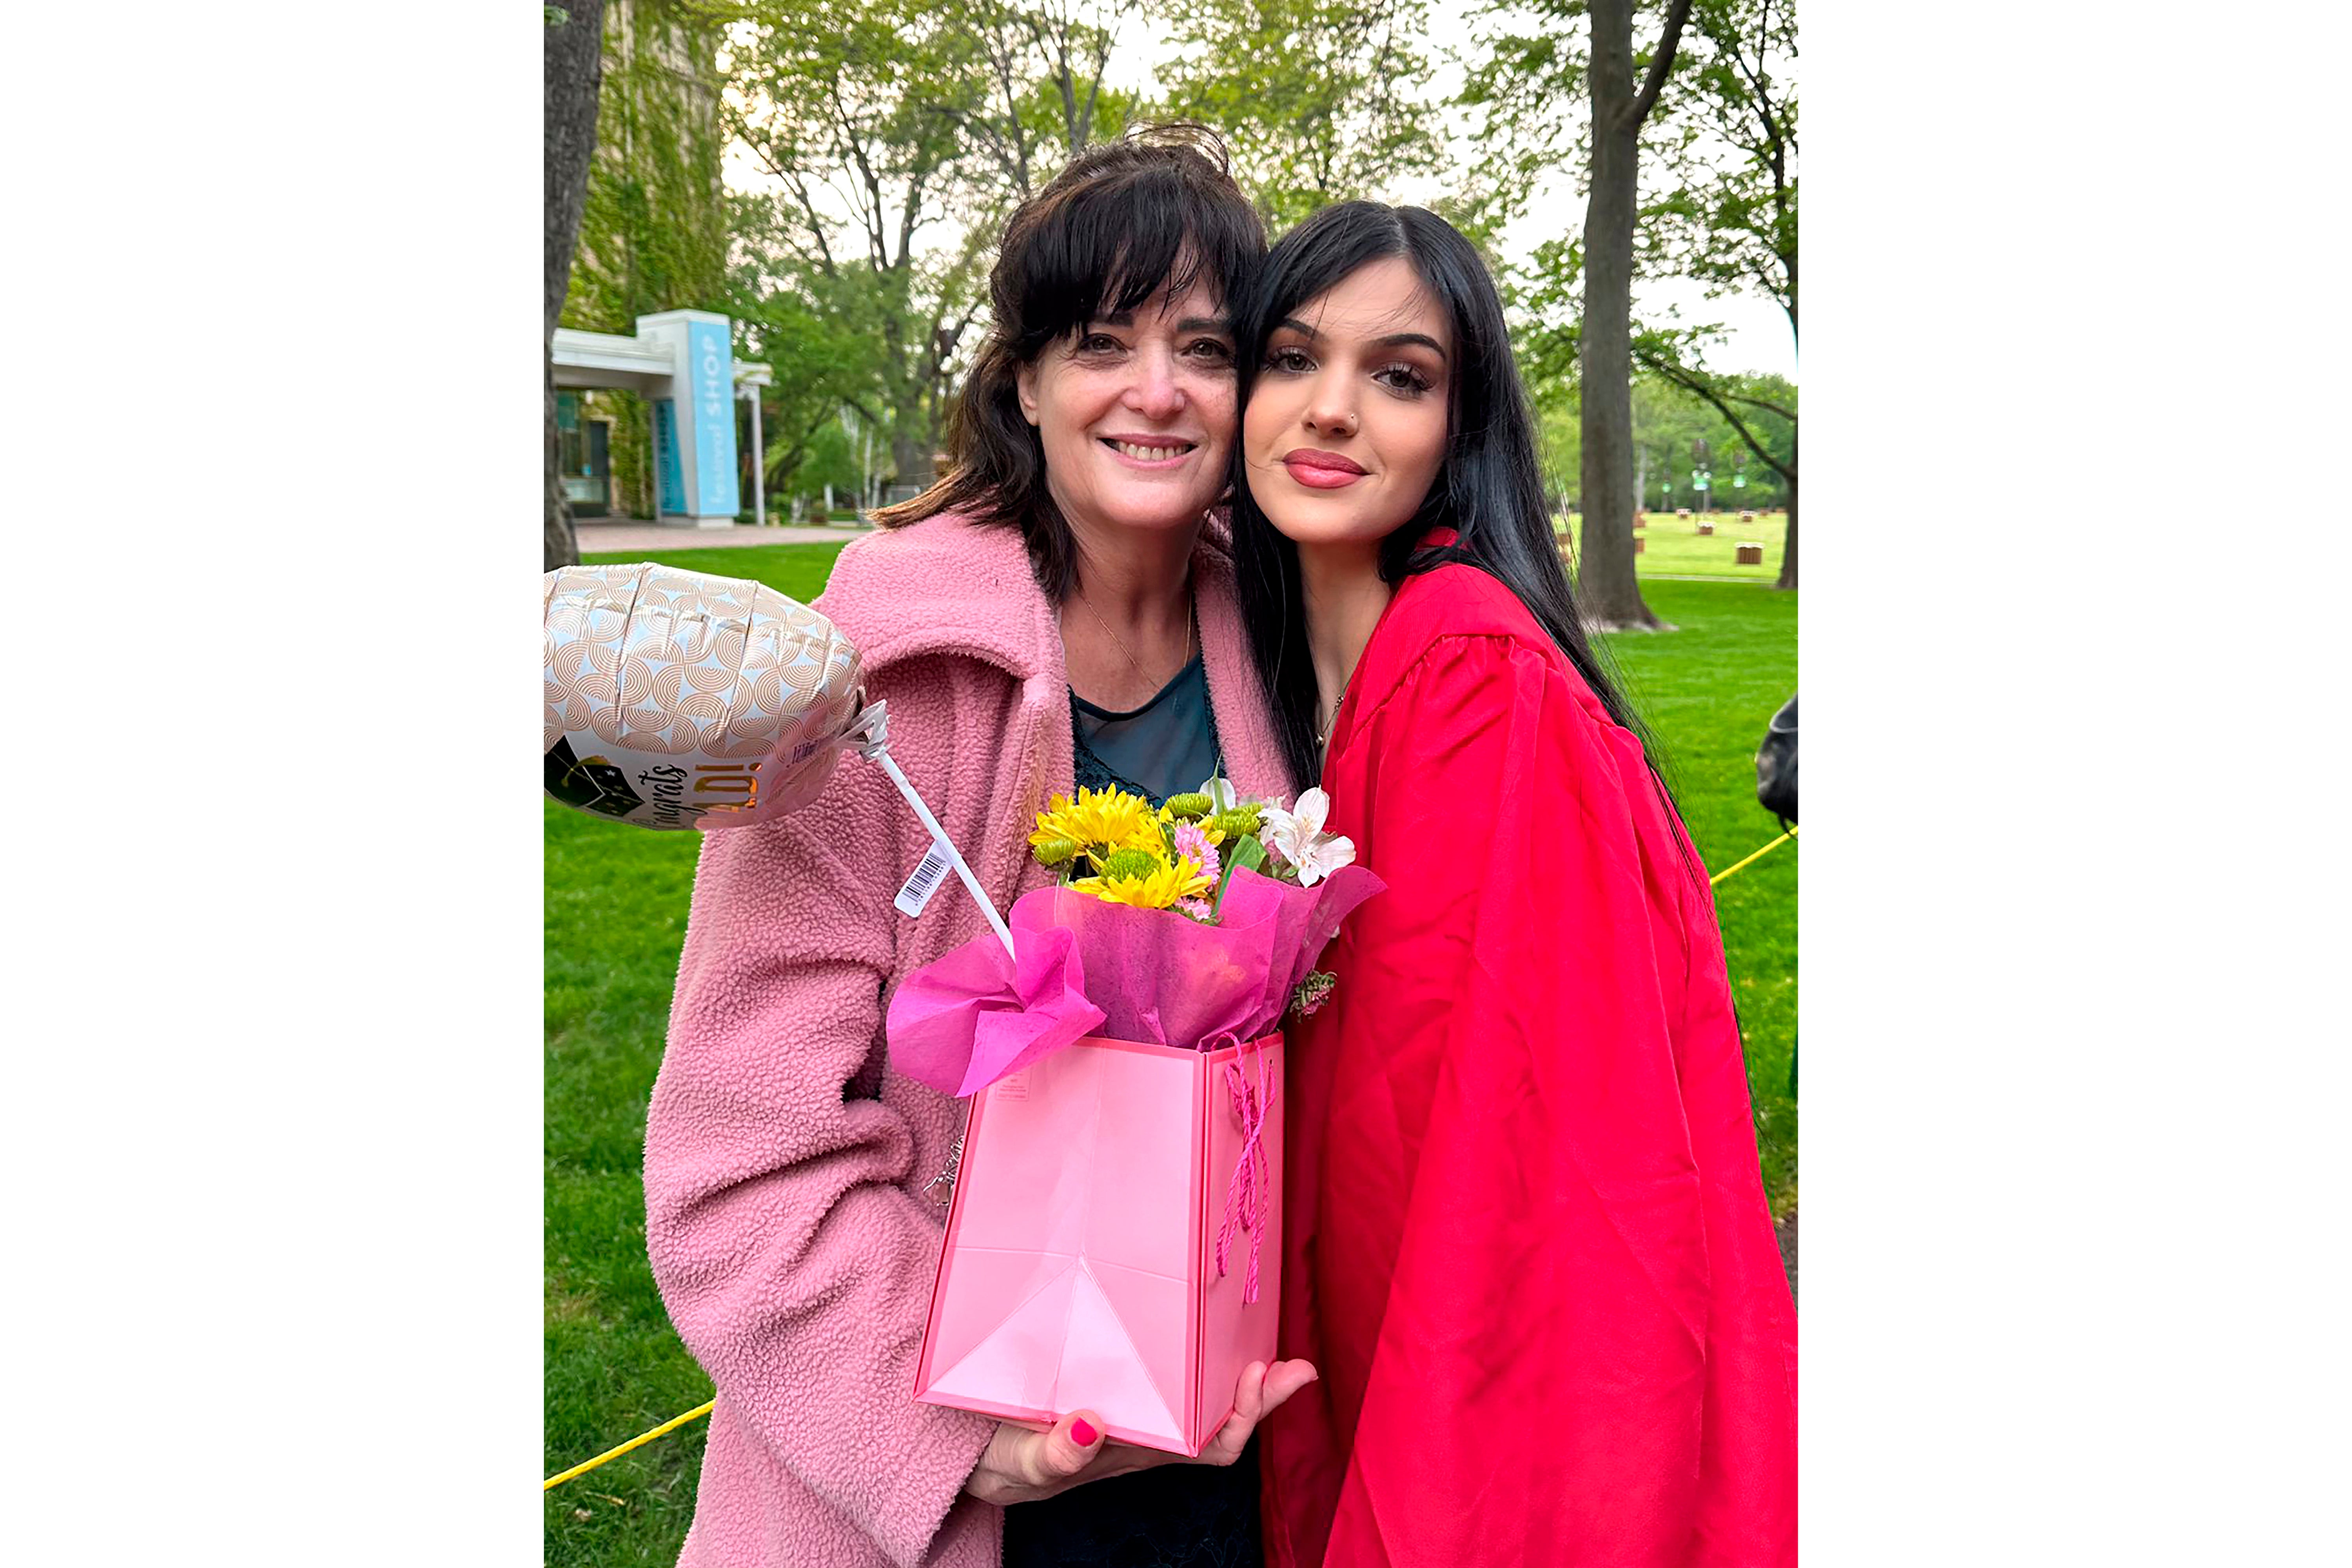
{"x":615,"y":915}
{"x":1673,"y":545}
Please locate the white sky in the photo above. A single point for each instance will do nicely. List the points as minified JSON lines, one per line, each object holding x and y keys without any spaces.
{"x":1757,"y":336}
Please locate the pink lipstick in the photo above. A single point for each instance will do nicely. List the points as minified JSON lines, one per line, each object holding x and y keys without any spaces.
{"x":1321,"y":470}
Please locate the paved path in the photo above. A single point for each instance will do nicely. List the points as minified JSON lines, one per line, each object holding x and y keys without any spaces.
{"x":600,"y":536}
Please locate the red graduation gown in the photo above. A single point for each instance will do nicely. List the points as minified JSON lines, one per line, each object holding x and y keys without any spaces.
{"x":1525,"y":1241}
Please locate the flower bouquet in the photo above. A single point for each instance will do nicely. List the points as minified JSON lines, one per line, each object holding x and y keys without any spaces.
{"x":1115,"y":1234}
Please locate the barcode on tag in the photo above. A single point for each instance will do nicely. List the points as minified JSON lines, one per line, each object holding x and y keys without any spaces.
{"x":926,"y":881}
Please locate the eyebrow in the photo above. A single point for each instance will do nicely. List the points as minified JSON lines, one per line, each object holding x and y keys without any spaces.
{"x":1394,"y":341}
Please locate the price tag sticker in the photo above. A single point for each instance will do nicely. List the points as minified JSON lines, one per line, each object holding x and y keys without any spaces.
{"x":915,"y":894}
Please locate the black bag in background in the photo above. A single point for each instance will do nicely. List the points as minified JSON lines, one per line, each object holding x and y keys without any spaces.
{"x":1776,"y":790}
{"x":1776,"y":764}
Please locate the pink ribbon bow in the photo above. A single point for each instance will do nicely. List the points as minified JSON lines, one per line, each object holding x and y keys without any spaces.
{"x":1245,"y":1194}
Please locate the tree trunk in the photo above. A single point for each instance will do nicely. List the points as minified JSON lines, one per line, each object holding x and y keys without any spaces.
{"x":912,"y":455}
{"x":1787,"y":578}
{"x":1608,"y":595}
{"x":561,"y":543}
{"x":574,"y":71}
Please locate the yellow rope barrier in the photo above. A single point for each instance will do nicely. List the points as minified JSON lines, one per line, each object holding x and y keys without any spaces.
{"x":1727,"y":870}
{"x":643,"y":1438}
{"x":701,"y":1410}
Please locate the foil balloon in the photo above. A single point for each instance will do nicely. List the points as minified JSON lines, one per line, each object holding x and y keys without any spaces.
{"x":677,"y":699}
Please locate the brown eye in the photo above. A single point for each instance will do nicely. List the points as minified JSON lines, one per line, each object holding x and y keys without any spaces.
{"x":1289,"y":361}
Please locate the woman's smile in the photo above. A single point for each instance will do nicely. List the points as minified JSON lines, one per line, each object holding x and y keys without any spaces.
{"x":1151,"y":452}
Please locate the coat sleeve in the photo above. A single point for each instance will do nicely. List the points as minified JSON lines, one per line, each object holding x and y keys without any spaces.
{"x":794,"y":1264}
{"x":1513,"y":1248}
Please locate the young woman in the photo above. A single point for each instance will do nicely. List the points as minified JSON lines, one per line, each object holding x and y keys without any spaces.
{"x":1524,"y":1238}
{"x":1056,"y":610}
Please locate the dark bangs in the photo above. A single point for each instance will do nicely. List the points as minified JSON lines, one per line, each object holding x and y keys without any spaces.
{"x":1122,"y":224}
{"x":1116,"y":244}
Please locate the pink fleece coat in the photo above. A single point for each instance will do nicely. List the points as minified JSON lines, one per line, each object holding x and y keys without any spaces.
{"x":786,"y":1214}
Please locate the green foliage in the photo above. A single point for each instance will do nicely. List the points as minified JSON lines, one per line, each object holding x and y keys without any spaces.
{"x":1728,"y":215}
{"x":1719,"y":167}
{"x":1318,"y":100}
{"x":653,"y":232}
{"x":900,"y":135}
{"x":832,"y":458}
{"x":631,"y":453}
{"x":1666,"y":420}
{"x":1244,"y":853}
{"x":1726,"y":211}
{"x":1527,"y":95}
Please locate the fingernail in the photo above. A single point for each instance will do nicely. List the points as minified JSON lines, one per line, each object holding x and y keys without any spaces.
{"x":1085,"y":1434}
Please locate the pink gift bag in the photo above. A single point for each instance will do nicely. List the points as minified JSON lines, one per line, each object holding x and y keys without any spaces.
{"x":1115,"y":1241}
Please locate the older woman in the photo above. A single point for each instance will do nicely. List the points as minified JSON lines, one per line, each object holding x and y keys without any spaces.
{"x":1054,"y":612}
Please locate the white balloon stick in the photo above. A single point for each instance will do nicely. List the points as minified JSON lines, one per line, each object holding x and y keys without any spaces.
{"x":875,"y":721}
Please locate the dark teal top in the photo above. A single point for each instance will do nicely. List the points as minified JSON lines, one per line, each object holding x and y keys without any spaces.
{"x":1168,"y":746}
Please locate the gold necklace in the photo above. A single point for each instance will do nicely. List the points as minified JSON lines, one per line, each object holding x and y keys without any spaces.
{"x":1189,"y":614}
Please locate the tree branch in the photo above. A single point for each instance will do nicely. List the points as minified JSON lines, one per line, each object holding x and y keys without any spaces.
{"x":813,"y":220}
{"x":1086,"y":129}
{"x":1693,"y":383}
{"x":1660,"y":63}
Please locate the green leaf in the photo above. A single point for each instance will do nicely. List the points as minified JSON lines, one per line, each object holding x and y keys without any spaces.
{"x":1240,"y":854}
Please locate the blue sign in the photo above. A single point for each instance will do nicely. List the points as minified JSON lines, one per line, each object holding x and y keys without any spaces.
{"x":710,"y":372}
{"x":668,"y":470}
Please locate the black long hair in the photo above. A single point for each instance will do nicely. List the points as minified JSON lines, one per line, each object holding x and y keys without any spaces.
{"x":1489,"y":485}
{"x":1122,"y":222}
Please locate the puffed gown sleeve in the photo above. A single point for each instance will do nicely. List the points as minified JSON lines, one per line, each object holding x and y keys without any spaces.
{"x":1512,"y":1280}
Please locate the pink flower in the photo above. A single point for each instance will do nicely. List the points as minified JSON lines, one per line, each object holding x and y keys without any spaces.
{"x":1197,"y":908}
{"x":1192,"y":842}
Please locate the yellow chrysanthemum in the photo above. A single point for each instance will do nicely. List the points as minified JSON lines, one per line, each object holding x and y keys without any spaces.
{"x":1100,"y":818}
{"x":1157,"y":889}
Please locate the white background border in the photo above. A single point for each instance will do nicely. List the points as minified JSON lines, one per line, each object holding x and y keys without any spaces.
{"x":2074,"y":1043}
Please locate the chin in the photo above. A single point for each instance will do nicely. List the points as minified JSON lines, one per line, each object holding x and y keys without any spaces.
{"x":1157,"y":512}
{"x":1324,"y":525}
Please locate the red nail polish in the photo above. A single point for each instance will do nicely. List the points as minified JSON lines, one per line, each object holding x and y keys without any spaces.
{"x":1085,"y":1434}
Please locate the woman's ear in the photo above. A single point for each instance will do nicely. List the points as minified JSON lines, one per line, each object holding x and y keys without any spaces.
{"x":1025,"y":384}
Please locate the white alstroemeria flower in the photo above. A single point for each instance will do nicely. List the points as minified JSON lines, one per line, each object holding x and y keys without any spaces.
{"x":1222,"y":796}
{"x":1298,"y":835}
